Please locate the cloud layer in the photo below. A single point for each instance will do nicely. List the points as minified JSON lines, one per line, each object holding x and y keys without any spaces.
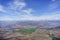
{"x":17,"y":10}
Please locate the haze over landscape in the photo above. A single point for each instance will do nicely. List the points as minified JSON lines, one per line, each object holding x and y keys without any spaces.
{"x":29,"y":19}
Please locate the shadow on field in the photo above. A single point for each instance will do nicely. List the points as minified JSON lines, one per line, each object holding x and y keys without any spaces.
{"x":2,"y":38}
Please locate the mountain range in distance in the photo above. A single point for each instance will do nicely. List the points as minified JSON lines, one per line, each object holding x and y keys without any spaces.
{"x":46,"y":24}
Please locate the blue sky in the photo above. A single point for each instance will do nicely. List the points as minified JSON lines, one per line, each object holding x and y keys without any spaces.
{"x":29,"y":9}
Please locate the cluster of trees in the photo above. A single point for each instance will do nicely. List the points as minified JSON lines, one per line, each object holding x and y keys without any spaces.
{"x":53,"y":37}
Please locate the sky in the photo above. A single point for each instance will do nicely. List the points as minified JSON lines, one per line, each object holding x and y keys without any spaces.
{"x":29,"y":10}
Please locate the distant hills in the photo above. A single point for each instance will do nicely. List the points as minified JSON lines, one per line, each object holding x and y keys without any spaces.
{"x":30,"y":24}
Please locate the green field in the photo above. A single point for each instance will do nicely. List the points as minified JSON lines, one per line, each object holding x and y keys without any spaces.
{"x":27,"y":31}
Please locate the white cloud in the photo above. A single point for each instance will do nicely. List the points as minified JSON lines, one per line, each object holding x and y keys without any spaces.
{"x":53,"y":16}
{"x":17,"y":4}
{"x":34,"y":18}
{"x":13,"y":7}
{"x":28,"y":11}
{"x":2,"y":9}
{"x":17,"y":7}
{"x":5,"y":18}
{"x":50,"y":17}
